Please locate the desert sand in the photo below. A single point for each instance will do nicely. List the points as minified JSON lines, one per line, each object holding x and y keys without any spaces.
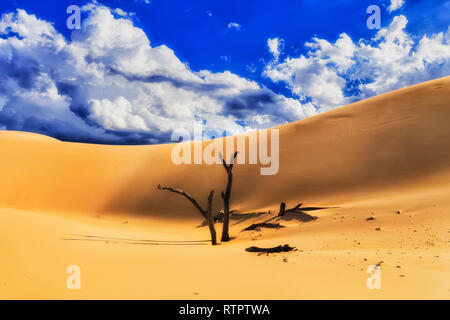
{"x":98,"y":207}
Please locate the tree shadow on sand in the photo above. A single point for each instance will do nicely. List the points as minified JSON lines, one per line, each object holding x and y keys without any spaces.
{"x":296,"y":213}
{"x":236,"y":217}
{"x":114,"y":240}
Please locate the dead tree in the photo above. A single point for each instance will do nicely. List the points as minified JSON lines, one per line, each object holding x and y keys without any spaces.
{"x":226,"y":197}
{"x":207,"y":214}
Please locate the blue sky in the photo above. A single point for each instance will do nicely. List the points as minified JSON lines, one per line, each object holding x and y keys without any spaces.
{"x":217,"y":68}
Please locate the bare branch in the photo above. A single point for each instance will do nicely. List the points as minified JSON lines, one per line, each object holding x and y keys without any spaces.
{"x":207,"y":214}
{"x":187,"y":196}
{"x":233,"y":157}
{"x":229,"y":166}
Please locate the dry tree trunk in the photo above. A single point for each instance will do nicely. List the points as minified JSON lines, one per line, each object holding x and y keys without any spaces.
{"x":226,"y":198}
{"x":207,"y":214}
{"x":297,"y":208}
{"x":282,"y":209}
{"x":210,"y":220}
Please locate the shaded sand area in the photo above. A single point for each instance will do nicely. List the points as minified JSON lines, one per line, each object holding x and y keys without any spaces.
{"x":97,"y":207}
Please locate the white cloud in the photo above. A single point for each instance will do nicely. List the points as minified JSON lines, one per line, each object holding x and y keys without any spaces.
{"x":391,"y":60}
{"x":395,"y":5}
{"x":123,"y":13}
{"x":234,"y":25}
{"x":312,"y":76}
{"x":109,"y":84}
{"x":275,"y":47}
{"x":120,"y":12}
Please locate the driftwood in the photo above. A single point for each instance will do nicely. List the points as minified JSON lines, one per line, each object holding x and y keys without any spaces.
{"x":285,"y":248}
{"x":207,"y":214}
{"x":226,"y":197}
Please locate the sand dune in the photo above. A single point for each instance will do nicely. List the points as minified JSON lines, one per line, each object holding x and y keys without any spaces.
{"x":98,"y":207}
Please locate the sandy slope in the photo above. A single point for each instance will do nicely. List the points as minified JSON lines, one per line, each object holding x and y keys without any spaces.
{"x":371,"y":158}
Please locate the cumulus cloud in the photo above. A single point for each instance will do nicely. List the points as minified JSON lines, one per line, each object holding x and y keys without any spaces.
{"x":109,"y":84}
{"x":395,"y":5}
{"x":334,"y":74}
{"x":234,"y":25}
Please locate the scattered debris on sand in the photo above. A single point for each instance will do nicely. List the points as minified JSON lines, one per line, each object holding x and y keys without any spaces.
{"x":370,"y":219}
